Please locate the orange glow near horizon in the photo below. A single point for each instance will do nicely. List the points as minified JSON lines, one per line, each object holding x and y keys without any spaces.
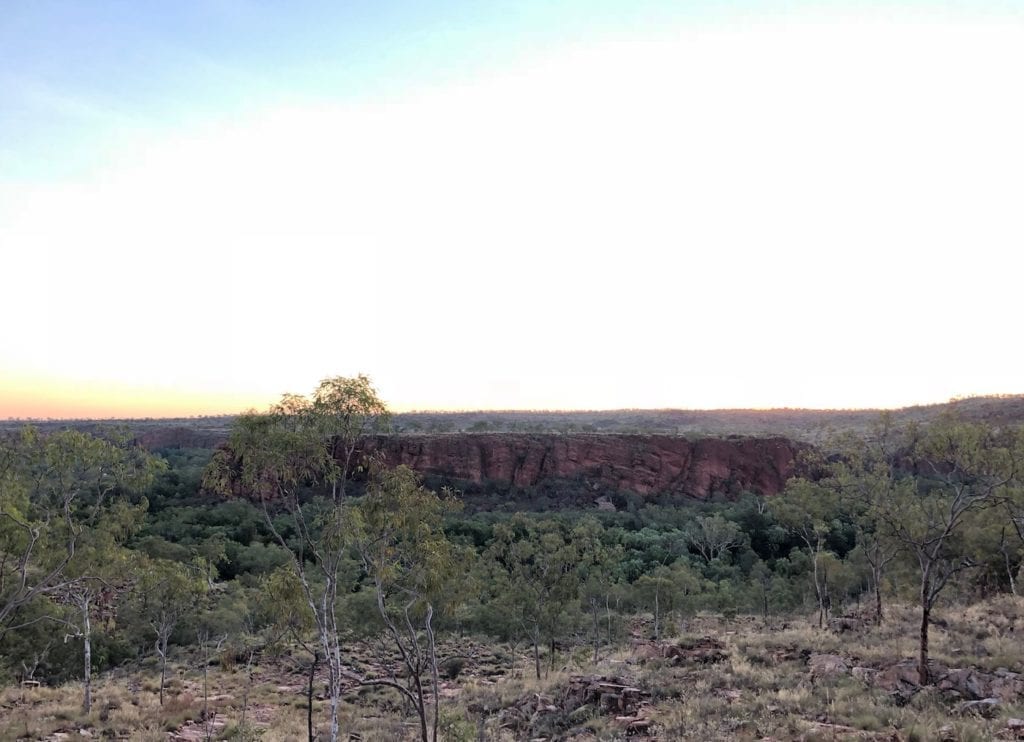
{"x":67,"y":399}
{"x":27,"y":397}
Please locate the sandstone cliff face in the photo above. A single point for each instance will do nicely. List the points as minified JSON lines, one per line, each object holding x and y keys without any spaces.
{"x":642,"y":464}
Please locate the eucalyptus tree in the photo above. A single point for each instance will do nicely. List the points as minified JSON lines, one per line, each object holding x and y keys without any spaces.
{"x":94,"y":581}
{"x":288,"y":614}
{"x":962,"y":468}
{"x":808,"y":509}
{"x":55,"y":490}
{"x":666,"y":588}
{"x":866,"y":475}
{"x":712,"y":537}
{"x":165,"y":593}
{"x":535,"y":570}
{"x":1013,"y":511}
{"x":599,"y":567}
{"x":298,"y":458}
{"x":761,"y":577}
{"x":653,"y":587}
{"x":398,"y":531}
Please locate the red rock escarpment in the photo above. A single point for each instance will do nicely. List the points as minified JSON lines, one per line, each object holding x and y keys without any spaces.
{"x":643,"y":464}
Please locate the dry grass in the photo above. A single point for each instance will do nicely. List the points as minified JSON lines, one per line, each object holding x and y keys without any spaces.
{"x":763,"y":689}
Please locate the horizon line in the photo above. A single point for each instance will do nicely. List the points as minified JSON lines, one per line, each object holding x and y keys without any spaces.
{"x":950,"y":401}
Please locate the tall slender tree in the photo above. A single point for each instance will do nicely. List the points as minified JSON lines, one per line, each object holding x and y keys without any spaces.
{"x":962,"y":468}
{"x":166,"y":592}
{"x":398,"y":532}
{"x":808,"y":509}
{"x":865,"y":475}
{"x":298,"y":459}
{"x":99,"y":574}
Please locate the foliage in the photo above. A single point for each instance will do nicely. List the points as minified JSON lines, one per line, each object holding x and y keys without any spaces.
{"x":299,"y":458}
{"x":299,"y":547}
{"x":55,"y":491}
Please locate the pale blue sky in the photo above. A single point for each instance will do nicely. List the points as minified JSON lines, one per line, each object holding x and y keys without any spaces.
{"x":76,"y":77}
{"x":524,"y":204}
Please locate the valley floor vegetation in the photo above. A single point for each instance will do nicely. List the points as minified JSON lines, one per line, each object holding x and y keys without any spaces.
{"x":283,"y":587}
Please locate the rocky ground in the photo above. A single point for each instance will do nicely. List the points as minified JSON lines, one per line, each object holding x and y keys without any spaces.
{"x":728,"y":679}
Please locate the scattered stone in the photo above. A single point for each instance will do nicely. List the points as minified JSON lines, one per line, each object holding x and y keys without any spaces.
{"x":580,"y":699}
{"x":899,"y":680}
{"x":827,"y":666}
{"x":791,"y":653}
{"x":986,"y":707}
{"x":837,"y":731}
{"x":843,"y":624}
{"x":196,"y":731}
{"x":730,"y":695}
{"x":634,"y":726}
{"x":864,"y":674}
{"x":703,"y":651}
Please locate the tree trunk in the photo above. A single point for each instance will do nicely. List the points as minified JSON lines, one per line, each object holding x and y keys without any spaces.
{"x":245,"y":693}
{"x":536,"y":654}
{"x":421,"y":708}
{"x":927,"y":601}
{"x":597,"y":629}
{"x":877,"y":579}
{"x":332,"y":655}
{"x":309,"y":696}
{"x":433,"y":669}
{"x":826,"y":596}
{"x":206,"y":688}
{"x":161,"y":649}
{"x":817,"y":592}
{"x":1009,"y":566}
{"x":657,"y":610}
{"x":608,"y":616}
{"x":922,"y":661}
{"x":87,"y":652}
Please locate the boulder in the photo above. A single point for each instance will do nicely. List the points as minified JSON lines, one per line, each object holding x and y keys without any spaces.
{"x":843,"y":624}
{"x":827,"y":666}
{"x":985,"y":707}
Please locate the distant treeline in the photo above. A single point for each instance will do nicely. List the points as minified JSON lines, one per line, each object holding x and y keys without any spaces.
{"x":799,"y":424}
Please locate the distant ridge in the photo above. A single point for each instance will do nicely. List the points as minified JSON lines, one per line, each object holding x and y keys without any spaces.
{"x":799,"y":424}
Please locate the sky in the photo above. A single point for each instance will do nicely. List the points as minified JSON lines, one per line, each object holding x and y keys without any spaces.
{"x":509,"y":205}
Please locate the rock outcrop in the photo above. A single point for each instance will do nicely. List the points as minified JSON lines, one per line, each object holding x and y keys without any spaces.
{"x":582,"y":698}
{"x":640,"y":464}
